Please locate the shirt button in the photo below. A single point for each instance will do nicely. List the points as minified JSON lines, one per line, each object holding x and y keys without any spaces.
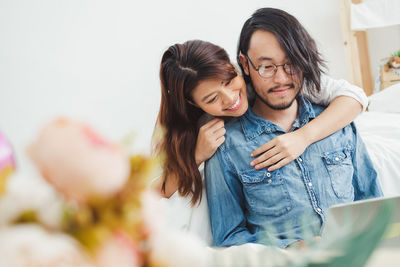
{"x":337,"y":159}
{"x":268,"y":174}
{"x":269,"y":181}
{"x":300,"y":160}
{"x":304,"y":121}
{"x":268,"y":129}
{"x":319,"y":210}
{"x":310,"y":184}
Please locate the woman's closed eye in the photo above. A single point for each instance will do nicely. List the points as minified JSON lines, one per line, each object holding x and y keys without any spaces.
{"x":212,"y":99}
{"x":228,"y":82}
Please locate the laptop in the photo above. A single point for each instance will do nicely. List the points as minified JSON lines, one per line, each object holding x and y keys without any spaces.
{"x":356,"y":217}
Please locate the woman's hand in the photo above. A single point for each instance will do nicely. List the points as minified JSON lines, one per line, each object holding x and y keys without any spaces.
{"x":280,"y":151}
{"x":211,"y":136}
{"x":301,"y":244}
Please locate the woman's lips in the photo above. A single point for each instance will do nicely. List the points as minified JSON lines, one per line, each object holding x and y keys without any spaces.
{"x":235,"y":105}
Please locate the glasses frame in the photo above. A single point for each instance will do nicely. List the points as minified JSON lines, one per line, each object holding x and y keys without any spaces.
{"x":275,"y":68}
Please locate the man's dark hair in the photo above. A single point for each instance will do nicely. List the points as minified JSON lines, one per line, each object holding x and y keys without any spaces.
{"x":300,"y":48}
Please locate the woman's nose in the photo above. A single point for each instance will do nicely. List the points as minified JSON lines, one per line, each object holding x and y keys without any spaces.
{"x":228,"y":95}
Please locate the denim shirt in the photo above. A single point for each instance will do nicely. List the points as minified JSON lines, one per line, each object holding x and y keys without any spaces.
{"x":249,"y":205}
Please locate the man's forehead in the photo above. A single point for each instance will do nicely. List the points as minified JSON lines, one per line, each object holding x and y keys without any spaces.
{"x":265,"y":46}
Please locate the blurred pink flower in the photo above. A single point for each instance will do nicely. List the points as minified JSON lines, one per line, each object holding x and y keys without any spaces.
{"x":7,"y":163}
{"x":78,"y":162}
{"x":6,"y":154}
{"x":119,"y":251}
{"x":29,"y":245}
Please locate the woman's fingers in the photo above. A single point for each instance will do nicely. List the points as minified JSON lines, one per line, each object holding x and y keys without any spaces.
{"x":212,"y":123}
{"x":265,"y":156}
{"x":210,"y":137}
{"x":220,"y":140}
{"x":288,"y":146}
{"x":264,"y":148}
{"x":211,"y":130}
{"x":217,"y":126}
{"x":220,"y":132}
{"x":278,"y":165}
{"x":272,"y":160}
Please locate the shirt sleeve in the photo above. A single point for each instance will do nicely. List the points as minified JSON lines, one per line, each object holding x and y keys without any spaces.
{"x":226,"y":203}
{"x":365,"y":180}
{"x":331,"y":88}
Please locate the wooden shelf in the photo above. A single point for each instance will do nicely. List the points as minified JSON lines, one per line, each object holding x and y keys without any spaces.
{"x":388,"y":78}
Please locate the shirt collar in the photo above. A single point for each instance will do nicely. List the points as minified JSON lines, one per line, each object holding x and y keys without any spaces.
{"x":253,"y":125}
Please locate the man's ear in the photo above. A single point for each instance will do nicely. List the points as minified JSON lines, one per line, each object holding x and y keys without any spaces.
{"x":243,"y":62}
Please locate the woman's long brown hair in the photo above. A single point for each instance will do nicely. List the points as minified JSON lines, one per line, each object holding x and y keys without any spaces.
{"x":183,"y":67}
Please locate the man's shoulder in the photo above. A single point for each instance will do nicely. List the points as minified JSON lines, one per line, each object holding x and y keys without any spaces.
{"x":234,"y":135}
{"x":308,"y":107}
{"x":318,"y":108}
{"x":233,"y":125}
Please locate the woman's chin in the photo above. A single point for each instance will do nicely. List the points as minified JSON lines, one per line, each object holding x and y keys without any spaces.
{"x":236,"y":113}
{"x":240,"y":111}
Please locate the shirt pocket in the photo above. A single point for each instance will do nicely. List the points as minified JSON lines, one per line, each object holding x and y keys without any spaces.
{"x":266,"y":192}
{"x":340,"y":168}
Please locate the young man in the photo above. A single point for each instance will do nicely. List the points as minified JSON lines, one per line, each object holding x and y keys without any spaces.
{"x":280,"y":60}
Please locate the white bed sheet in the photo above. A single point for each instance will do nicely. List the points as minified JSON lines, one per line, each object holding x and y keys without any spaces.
{"x":380,"y":130}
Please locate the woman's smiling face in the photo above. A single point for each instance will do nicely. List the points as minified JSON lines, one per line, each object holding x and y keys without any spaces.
{"x":219,"y":98}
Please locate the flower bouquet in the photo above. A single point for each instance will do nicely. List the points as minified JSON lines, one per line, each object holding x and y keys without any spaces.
{"x":94,"y":217}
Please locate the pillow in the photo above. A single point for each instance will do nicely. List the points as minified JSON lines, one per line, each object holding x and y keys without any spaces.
{"x":386,"y":100}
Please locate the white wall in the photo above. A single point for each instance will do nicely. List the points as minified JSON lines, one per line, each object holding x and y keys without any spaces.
{"x":382,"y":43}
{"x":98,"y":60}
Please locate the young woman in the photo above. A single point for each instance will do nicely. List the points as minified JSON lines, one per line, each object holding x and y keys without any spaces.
{"x":200,"y":90}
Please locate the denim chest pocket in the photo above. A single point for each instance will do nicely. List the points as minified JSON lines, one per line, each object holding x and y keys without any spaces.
{"x":266,"y":192}
{"x":340,"y":168}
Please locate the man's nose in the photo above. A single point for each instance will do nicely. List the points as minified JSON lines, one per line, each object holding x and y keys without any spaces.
{"x":280,"y":75}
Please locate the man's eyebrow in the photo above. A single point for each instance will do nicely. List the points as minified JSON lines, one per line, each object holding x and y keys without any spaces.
{"x":263,"y":58}
{"x":266,"y":58}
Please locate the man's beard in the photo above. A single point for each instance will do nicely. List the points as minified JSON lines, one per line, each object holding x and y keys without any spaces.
{"x":281,"y":106}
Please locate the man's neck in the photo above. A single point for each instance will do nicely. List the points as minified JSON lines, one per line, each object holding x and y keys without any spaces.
{"x":283,"y":118}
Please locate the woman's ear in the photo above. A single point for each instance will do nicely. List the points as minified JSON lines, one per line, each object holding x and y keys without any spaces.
{"x":243,"y":62}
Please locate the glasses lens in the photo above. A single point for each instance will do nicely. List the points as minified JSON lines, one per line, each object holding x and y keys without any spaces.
{"x":289,"y":69}
{"x":266,"y":71}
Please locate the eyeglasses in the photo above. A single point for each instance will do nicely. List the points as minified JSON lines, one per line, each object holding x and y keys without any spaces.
{"x":269,"y":70}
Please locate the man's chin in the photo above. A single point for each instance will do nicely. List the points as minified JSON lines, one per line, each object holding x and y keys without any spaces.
{"x":278,"y":104}
{"x":281,"y":106}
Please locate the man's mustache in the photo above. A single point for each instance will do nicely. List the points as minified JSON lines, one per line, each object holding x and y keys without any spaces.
{"x":290,"y":85}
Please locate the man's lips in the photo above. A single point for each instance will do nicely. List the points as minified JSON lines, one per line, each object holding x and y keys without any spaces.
{"x":281,"y":90}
